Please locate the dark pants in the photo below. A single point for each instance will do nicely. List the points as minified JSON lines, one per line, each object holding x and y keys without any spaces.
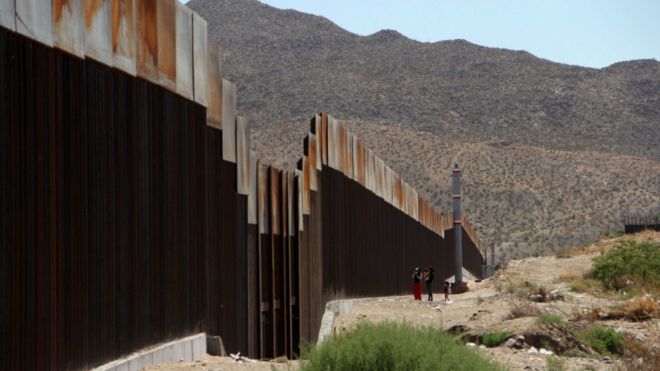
{"x":429,"y":290}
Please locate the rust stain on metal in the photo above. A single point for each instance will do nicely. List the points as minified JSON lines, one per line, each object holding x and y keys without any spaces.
{"x":342,"y":148}
{"x":318,"y":128}
{"x":275,"y":207}
{"x":123,"y":35}
{"x":214,"y":85}
{"x":360,"y":162}
{"x":312,"y":154}
{"x":98,"y":31}
{"x":166,"y":44}
{"x":299,"y":183}
{"x":68,"y":26}
{"x":349,"y":154}
{"x":200,"y":60}
{"x":184,"y":51}
{"x":306,"y":190}
{"x":147,"y":39}
{"x":324,"y":138}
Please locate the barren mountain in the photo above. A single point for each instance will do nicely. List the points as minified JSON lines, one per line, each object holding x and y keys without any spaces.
{"x":554,"y":154}
{"x":290,"y":64}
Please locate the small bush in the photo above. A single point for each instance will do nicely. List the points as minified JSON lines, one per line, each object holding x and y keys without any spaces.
{"x":640,"y":309}
{"x":630,"y":261}
{"x":550,"y":319}
{"x":493,"y":339}
{"x":524,"y":309}
{"x":391,"y":346}
{"x":603,"y":340}
{"x":554,"y":363}
{"x":586,"y":286}
{"x":574,"y":352}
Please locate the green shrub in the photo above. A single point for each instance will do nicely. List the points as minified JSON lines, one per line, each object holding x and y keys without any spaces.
{"x":574,"y":352}
{"x":554,"y":363}
{"x":631,"y":260}
{"x":493,"y":339}
{"x":390,"y":346}
{"x":549,"y":318}
{"x":603,"y":340}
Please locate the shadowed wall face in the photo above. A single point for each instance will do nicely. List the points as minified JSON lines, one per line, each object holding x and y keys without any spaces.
{"x":102,"y":208}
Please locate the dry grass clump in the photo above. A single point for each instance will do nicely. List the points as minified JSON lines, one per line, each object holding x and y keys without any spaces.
{"x":524,"y":309}
{"x":640,"y":309}
{"x":587,"y":285}
{"x":568,"y":277}
{"x":639,"y":355}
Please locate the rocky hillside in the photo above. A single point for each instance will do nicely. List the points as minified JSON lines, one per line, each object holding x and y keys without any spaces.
{"x":554,"y":154}
{"x":290,"y":64}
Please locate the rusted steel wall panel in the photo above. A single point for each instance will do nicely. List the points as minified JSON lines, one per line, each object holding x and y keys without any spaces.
{"x":68,"y":32}
{"x":166,"y":28}
{"x":275,"y":206}
{"x":299,"y":187}
{"x":123,"y":35}
{"x":200,"y":60}
{"x":8,"y":14}
{"x":184,"y":51}
{"x":349,"y":154}
{"x":324,"y":138}
{"x":342,"y":147}
{"x":333,"y":152}
{"x":106,"y":249}
{"x":291,"y":203}
{"x":228,"y":121}
{"x":389,"y":185}
{"x":262,"y":203}
{"x":146,"y":40}
{"x":252,"y":195}
{"x":312,"y":157}
{"x":360,"y":162}
{"x":306,"y":185}
{"x":242,"y":155}
{"x":34,"y":19}
{"x":214,"y":84}
{"x":316,"y":128}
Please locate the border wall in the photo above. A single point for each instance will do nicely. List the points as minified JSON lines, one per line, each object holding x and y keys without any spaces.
{"x":133,"y":212}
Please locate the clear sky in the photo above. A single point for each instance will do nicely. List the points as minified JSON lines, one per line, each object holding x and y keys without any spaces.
{"x":594,"y":33}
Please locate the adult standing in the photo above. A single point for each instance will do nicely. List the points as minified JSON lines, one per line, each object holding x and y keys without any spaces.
{"x":417,"y":278}
{"x":428,"y":280}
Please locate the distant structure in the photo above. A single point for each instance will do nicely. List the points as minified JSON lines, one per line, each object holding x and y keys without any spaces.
{"x":638,"y":224}
{"x":458,"y":222}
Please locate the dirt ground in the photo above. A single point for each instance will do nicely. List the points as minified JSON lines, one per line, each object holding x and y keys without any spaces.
{"x":485,"y":308}
{"x":211,"y":363}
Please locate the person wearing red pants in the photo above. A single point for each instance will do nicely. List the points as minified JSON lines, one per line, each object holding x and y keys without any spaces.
{"x":417,"y":278}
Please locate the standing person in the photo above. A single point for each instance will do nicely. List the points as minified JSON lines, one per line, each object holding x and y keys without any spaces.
{"x":417,"y":278}
{"x":446,"y":290}
{"x":428,"y":279}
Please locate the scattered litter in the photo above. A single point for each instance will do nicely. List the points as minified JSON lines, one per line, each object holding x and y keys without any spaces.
{"x":471,"y":344}
{"x":545,"y":352}
{"x":533,"y":350}
{"x":239,"y":358}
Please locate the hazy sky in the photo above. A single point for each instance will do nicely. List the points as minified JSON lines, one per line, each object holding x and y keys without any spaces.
{"x":583,"y":32}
